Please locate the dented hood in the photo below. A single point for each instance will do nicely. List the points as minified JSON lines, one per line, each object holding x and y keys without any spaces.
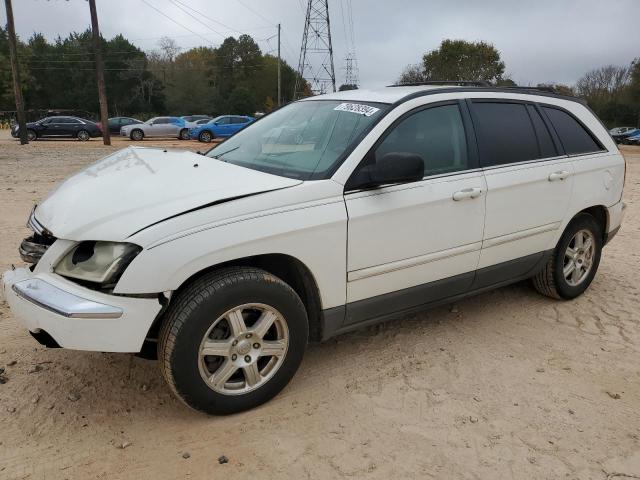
{"x":137,"y":187}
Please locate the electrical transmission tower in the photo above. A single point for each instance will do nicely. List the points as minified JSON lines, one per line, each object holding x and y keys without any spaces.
{"x":316,"y":53}
{"x":352,"y":74}
{"x":351,"y":70}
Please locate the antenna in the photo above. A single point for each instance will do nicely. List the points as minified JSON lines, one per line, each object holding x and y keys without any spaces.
{"x":316,"y":52}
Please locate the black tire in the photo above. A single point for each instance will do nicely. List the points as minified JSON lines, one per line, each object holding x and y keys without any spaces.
{"x":205,"y":136}
{"x":83,"y":135}
{"x":550,"y":281}
{"x":195,"y":309}
{"x":136,"y":134}
{"x":32,"y":135}
{"x":184,"y":134}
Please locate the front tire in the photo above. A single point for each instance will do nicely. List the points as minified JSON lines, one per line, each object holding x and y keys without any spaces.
{"x":32,"y":135}
{"x":205,"y":136}
{"x":232,"y":339}
{"x":184,"y":134}
{"x":136,"y":135}
{"x":574,"y":262}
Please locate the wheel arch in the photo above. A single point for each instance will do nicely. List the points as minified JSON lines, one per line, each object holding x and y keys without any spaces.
{"x":286,"y":267}
{"x":601,"y":214}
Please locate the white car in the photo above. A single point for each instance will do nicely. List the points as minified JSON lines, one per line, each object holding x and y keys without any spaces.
{"x":384,"y":202}
{"x":158,"y":127}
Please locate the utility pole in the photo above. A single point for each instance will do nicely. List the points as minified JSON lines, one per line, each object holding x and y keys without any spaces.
{"x":279,"y":77}
{"x":17,"y":88}
{"x":102,"y":91}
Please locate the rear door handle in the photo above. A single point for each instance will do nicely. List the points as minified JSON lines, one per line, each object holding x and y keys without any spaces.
{"x":561,"y":175}
{"x":467,"y":193}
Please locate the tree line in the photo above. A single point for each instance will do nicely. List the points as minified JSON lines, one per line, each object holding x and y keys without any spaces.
{"x":235,"y":77}
{"x":613,"y":92}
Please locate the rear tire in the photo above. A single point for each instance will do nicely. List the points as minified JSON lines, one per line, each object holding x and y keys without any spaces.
{"x":83,"y":135}
{"x":184,"y":134}
{"x":136,"y":135}
{"x":254,"y":327}
{"x":574,"y":262}
{"x":32,"y":135}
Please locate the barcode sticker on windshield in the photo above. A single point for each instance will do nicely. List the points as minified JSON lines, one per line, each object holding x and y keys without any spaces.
{"x":365,"y":110}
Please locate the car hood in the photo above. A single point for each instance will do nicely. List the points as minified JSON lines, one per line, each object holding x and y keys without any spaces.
{"x":138,"y":187}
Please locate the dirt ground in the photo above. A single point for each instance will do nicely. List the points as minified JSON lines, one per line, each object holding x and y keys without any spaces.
{"x":508,"y":384}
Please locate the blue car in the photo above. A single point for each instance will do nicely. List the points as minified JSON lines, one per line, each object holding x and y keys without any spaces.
{"x":222,"y":126}
{"x":633,"y":139}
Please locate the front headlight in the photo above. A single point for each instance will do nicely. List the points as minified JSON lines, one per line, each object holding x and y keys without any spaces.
{"x":99,"y":262}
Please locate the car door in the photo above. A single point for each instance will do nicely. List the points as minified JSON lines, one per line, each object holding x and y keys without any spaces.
{"x":223,"y":126}
{"x":159,"y":127}
{"x":73,"y":126}
{"x":529,"y":184}
{"x":57,"y":127}
{"x":414,"y":243}
{"x":238,"y":123}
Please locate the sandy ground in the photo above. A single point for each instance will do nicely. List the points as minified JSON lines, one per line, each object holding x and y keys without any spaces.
{"x":508,"y":384}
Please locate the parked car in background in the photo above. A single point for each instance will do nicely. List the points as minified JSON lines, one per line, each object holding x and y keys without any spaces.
{"x":116,"y":123}
{"x":157,"y":127}
{"x":195,"y":118}
{"x":222,"y":126}
{"x":623,"y":132}
{"x":633,"y":139}
{"x":383,"y":202}
{"x":59,"y":127}
{"x":620,"y":130}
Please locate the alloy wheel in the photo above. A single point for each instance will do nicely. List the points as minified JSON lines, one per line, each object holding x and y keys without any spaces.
{"x":243,"y":349}
{"x":578,"y":257}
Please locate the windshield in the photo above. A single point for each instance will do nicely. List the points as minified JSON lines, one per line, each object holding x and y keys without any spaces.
{"x":304,"y":140}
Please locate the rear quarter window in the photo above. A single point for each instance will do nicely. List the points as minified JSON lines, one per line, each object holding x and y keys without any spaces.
{"x":575,"y":138}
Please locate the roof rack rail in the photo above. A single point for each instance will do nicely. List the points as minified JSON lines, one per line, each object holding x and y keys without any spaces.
{"x":457,"y":83}
{"x":540,"y":89}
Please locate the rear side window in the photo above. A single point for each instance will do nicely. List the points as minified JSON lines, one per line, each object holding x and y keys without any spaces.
{"x":574,"y":137}
{"x":437,"y":134}
{"x":505,"y":133}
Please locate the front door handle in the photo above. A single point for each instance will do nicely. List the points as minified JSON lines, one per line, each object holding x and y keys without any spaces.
{"x":561,"y":175}
{"x":467,"y":193}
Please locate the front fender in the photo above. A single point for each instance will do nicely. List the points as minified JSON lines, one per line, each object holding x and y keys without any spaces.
{"x":315,"y":234}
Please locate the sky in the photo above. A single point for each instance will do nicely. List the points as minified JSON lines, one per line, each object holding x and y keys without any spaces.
{"x":540,"y":41}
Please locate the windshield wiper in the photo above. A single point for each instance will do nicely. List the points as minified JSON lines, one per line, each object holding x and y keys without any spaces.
{"x":217,"y":157}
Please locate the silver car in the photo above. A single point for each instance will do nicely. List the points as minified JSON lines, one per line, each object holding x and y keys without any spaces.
{"x":157,"y":127}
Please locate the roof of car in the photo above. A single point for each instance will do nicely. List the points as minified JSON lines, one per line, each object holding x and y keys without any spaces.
{"x":393,"y":94}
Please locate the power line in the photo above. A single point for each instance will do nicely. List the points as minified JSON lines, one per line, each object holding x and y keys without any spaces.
{"x":209,"y":18}
{"x":255,"y":12}
{"x":175,"y":21}
{"x":177,"y":5}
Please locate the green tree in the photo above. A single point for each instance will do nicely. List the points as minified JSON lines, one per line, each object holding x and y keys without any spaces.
{"x":457,"y":60}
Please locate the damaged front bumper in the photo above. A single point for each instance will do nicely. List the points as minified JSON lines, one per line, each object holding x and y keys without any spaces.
{"x":76,"y":317}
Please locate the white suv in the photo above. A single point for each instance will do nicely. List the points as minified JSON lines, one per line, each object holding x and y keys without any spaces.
{"x":331,"y":213}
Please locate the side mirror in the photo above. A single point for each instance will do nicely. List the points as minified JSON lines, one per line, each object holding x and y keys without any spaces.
{"x":393,"y":167}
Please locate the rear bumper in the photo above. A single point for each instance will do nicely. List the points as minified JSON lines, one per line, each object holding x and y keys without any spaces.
{"x":76,"y":317}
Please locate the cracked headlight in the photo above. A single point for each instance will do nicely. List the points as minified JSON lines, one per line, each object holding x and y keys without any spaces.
{"x":98,"y":262}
